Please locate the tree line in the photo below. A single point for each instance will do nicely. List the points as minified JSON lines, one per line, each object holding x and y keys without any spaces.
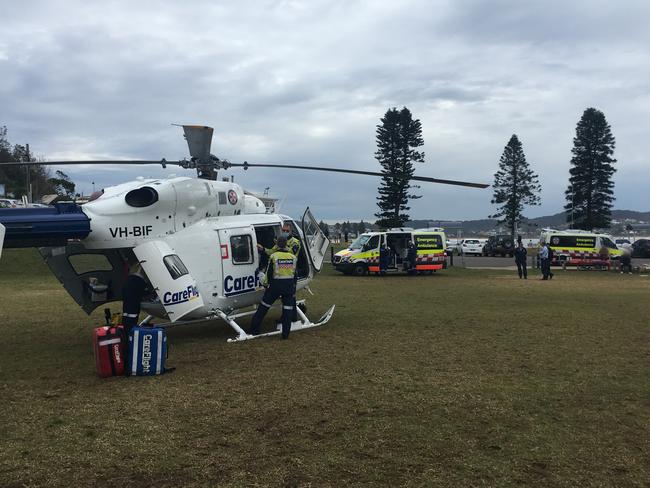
{"x":18,"y":179}
{"x":589,"y":195}
{"x":345,"y":228}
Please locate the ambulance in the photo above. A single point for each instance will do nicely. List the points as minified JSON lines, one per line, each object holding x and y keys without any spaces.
{"x":580,"y":248}
{"x":362,"y":256}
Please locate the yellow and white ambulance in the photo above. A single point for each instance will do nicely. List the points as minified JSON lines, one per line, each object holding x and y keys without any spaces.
{"x":362,"y":256}
{"x":580,"y":247}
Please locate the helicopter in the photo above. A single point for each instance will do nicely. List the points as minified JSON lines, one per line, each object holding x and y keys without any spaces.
{"x":195,"y":238}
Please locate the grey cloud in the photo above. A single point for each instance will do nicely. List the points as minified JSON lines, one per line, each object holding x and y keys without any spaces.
{"x":298,"y":82}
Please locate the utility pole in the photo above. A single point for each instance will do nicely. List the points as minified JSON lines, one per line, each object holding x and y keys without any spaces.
{"x":28,"y":183}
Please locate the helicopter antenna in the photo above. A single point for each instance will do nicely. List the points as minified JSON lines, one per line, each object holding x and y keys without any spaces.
{"x":280,"y":203}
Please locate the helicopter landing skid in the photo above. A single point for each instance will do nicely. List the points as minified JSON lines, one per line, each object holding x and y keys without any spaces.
{"x":302,"y":323}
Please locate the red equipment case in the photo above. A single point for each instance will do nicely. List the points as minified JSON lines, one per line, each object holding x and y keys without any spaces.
{"x":110,"y":355}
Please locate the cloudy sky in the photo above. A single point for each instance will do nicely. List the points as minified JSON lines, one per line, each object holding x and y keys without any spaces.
{"x":307,"y":82}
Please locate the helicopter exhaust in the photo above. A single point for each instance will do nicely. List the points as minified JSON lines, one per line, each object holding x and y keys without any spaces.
{"x":43,"y":227}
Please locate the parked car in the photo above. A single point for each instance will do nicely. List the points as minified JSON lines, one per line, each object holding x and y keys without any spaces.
{"x":471,"y":246}
{"x":641,"y":248}
{"x":499,"y":245}
{"x":620,"y":242}
{"x":9,"y":203}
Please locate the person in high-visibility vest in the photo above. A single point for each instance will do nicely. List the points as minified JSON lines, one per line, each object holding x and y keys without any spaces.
{"x":293,"y":244}
{"x":280,"y":276}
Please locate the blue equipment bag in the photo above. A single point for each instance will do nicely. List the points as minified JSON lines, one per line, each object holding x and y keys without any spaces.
{"x":147,"y":351}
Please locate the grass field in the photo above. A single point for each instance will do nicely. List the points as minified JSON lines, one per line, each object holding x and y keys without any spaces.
{"x":463,"y":378}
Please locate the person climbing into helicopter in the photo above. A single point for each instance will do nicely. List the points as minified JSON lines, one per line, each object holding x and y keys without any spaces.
{"x":293,"y":246}
{"x":293,"y":243}
{"x":280,"y":277}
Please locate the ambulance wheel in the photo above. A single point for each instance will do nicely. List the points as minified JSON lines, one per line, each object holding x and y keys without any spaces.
{"x":359,"y":270}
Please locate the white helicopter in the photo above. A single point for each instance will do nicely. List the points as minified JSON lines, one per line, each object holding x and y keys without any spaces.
{"x":195,"y":238}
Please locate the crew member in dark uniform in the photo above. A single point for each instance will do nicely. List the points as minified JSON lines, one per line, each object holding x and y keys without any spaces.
{"x":132,"y":294}
{"x":280,"y":275}
{"x":520,"y":259}
{"x":411,"y":256}
{"x":384,"y":258}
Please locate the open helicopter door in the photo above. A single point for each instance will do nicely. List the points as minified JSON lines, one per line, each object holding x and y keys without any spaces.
{"x":315,"y":240}
{"x":92,"y":277}
{"x":173,"y":283}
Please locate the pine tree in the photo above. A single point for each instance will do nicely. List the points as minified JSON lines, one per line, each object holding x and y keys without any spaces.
{"x":515,"y":185}
{"x":398,"y":136}
{"x":590,"y":193}
{"x":325,"y":228}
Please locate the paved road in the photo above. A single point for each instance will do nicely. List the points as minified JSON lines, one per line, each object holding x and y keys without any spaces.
{"x":499,"y":262}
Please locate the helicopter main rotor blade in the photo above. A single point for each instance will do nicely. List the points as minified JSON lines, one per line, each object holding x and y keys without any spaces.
{"x":121,"y":161}
{"x":427,"y":179}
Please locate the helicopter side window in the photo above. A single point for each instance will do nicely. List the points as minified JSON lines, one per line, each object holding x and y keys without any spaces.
{"x":242,"y":249}
{"x":175,"y":266}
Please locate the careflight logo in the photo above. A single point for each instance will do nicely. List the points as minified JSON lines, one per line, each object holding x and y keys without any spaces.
{"x":232,"y":197}
{"x":146,"y":353}
{"x":174,"y":298}
{"x":241,"y":284}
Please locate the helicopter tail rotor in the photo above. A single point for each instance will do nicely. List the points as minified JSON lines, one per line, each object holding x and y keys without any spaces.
{"x":199,"y":141}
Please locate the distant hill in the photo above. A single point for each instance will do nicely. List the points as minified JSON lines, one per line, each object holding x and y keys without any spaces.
{"x":558,"y":221}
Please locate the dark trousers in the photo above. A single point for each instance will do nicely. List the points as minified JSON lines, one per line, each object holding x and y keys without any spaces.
{"x":626,"y":263}
{"x":284,"y":289}
{"x":521,"y":269}
{"x":132,"y":294}
{"x":546,"y":269}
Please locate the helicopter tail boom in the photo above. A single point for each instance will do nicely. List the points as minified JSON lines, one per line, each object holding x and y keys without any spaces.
{"x":43,"y":227}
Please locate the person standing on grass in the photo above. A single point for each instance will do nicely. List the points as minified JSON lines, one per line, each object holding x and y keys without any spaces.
{"x":411,"y":257}
{"x":520,"y":260}
{"x":626,"y":260}
{"x":384,"y":255}
{"x":280,"y":276}
{"x":544,"y":261}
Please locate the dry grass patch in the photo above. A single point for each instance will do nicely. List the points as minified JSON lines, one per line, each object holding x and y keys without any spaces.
{"x":464,"y":378}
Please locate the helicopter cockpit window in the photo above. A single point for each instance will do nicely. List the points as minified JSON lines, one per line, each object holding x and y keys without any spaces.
{"x":141,"y":197}
{"x":175,"y":266}
{"x":242,"y":249}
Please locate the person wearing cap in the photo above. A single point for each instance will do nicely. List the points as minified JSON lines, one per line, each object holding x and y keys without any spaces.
{"x":280,"y":277}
